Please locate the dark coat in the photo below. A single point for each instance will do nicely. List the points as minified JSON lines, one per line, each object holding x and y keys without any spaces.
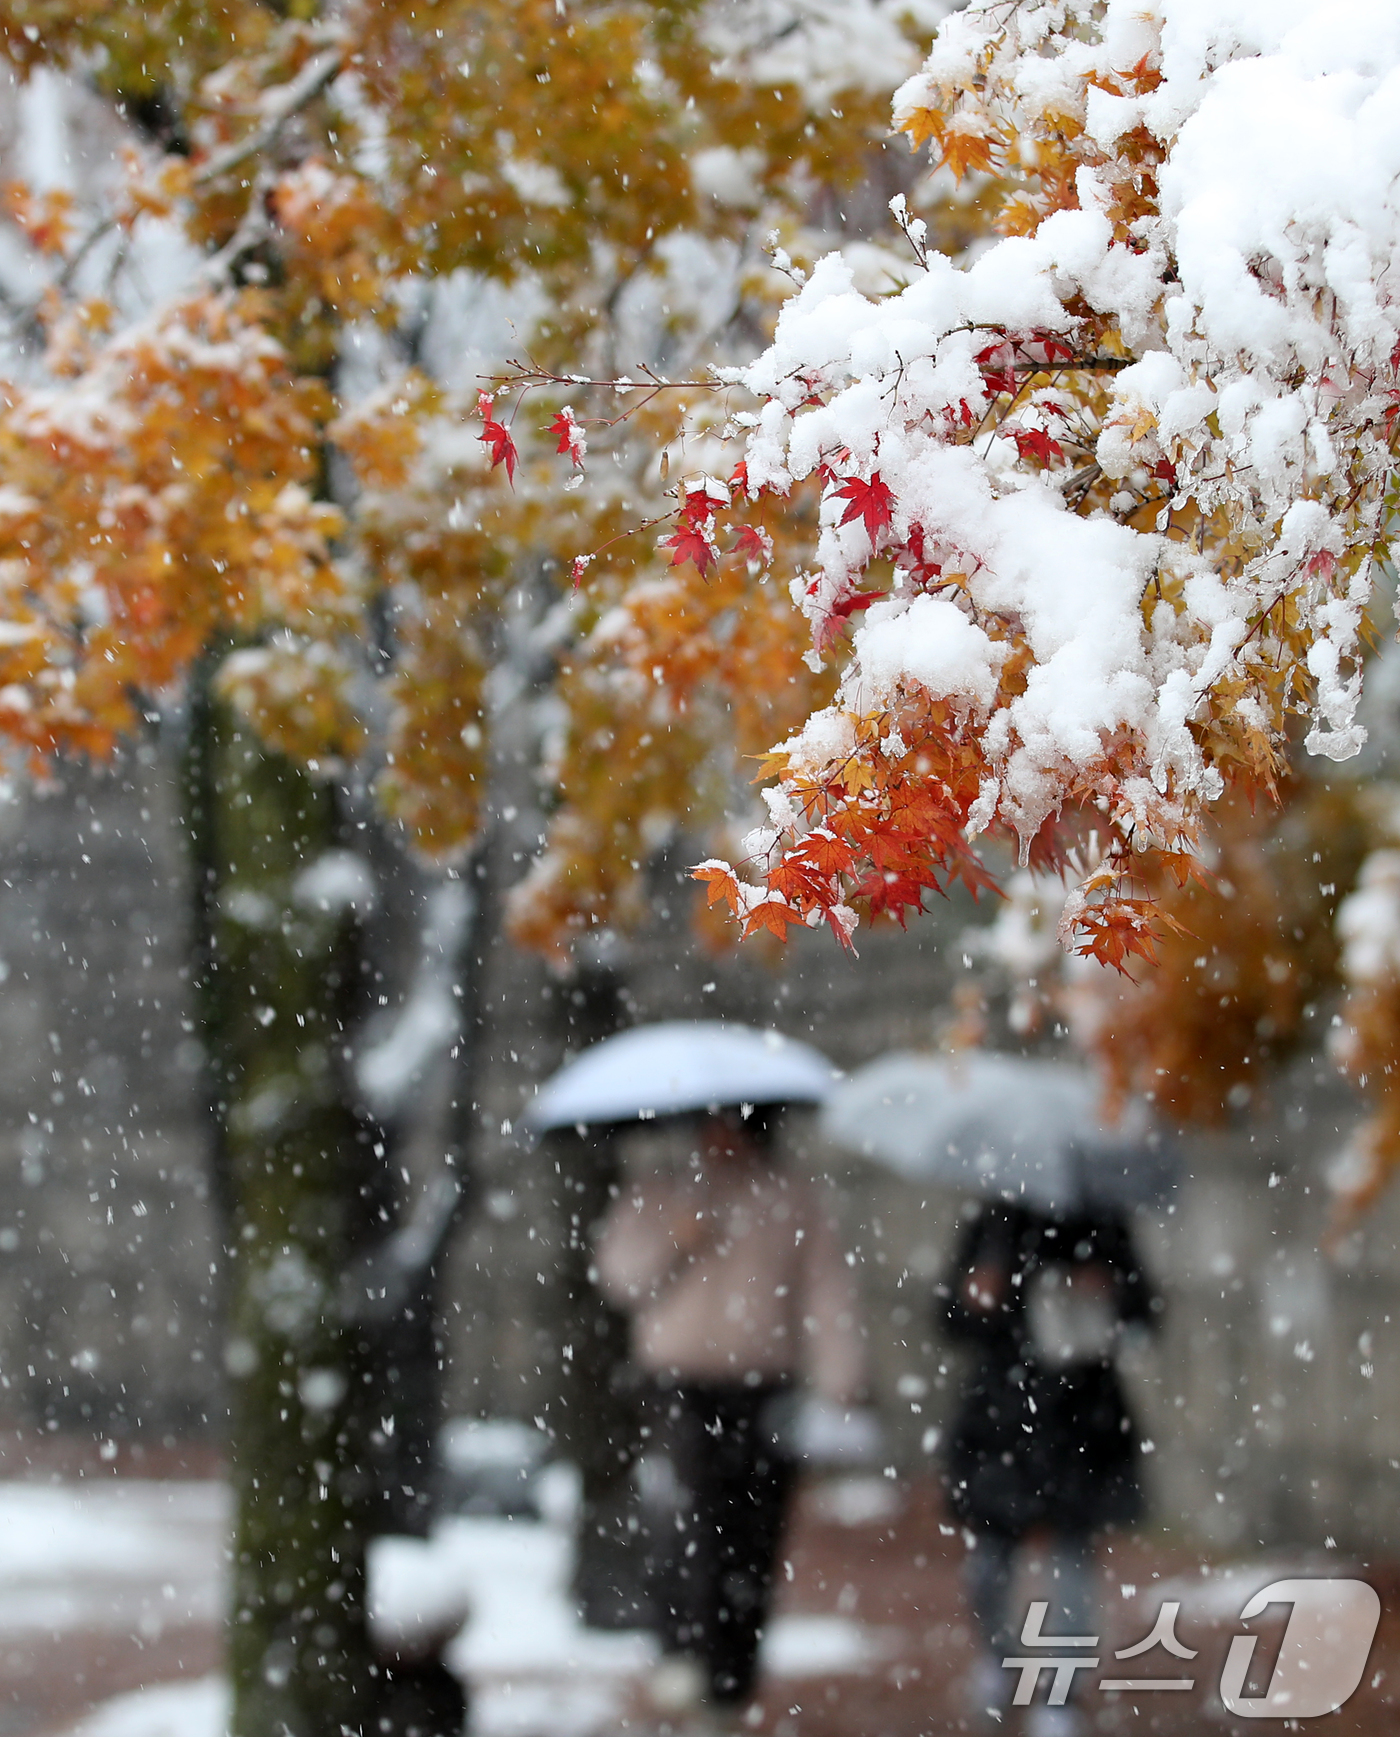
{"x":1034,"y":1445}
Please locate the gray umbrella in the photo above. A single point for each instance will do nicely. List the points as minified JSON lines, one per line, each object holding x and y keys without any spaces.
{"x":1001,"y":1127}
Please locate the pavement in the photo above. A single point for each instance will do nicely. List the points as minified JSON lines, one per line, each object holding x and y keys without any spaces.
{"x":110,"y":1591}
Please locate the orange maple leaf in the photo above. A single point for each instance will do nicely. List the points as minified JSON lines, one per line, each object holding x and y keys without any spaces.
{"x":1120,"y":930}
{"x":721,"y":884}
{"x":827,"y":853}
{"x":773,"y":914}
{"x":969,"y":144}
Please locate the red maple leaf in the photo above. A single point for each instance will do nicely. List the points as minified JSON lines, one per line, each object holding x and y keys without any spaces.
{"x":891,"y":894}
{"x":827,"y":853}
{"x":871,"y":501}
{"x":698,"y":507}
{"x":692,"y":543}
{"x":841,"y":922}
{"x":754,"y":544}
{"x":1165,"y":471}
{"x":1037,"y":444}
{"x":799,"y":881}
{"x":571,"y":437}
{"x":1120,"y":930}
{"x":497,"y":437}
{"x":915,"y":559}
{"x":854,"y":602}
{"x":997,"y":379}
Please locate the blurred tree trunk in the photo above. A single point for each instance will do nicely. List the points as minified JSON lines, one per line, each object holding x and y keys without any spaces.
{"x":303,"y":1187}
{"x":597,"y":1406}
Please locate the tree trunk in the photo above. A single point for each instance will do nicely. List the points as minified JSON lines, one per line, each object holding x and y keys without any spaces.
{"x":598,"y":1425}
{"x":301,"y":1176}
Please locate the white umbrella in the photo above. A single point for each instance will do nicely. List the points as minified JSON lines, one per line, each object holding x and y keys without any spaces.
{"x":1002,"y":1127}
{"x":677,"y":1067}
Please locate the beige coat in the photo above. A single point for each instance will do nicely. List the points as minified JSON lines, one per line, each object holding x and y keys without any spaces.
{"x":734,"y":1271}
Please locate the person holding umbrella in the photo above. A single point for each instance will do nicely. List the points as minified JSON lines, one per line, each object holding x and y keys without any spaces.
{"x":1043,"y":1442}
{"x":1041,"y":1285}
{"x":731,"y":1271}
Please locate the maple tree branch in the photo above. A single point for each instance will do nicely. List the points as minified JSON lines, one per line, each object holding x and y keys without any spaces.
{"x":631,"y":531}
{"x":532,"y":377}
{"x":1076,"y":365}
{"x":1081,"y":481}
{"x":252,"y":228}
{"x":279,"y":105}
{"x":73,"y":263}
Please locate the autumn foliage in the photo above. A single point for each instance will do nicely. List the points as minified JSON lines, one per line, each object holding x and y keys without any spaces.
{"x":1100,"y":509}
{"x":231,"y":430}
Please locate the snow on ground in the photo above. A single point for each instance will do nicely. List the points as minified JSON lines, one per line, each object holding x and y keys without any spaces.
{"x":824,"y":1646}
{"x":121,"y":1556}
{"x":523,"y":1617}
{"x":195,"y":1709}
{"x":135,"y":1556}
{"x":1220,"y":1591}
{"x":536,"y":1669}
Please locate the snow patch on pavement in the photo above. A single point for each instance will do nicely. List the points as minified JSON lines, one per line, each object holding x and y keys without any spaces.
{"x":195,"y":1709}
{"x":122,"y":1556}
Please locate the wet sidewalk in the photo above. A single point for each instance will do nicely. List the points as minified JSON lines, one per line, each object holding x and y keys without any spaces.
{"x":897,"y":1577}
{"x":870,"y":1638}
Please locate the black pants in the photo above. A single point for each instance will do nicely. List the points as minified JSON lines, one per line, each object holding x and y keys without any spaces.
{"x":719,"y":1496}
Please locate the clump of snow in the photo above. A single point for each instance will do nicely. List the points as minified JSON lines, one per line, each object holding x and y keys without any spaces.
{"x":417,"y":1595}
{"x":819,"y":1646}
{"x":856,"y":1501}
{"x":928,"y":643}
{"x":516,"y":1575}
{"x":248,"y":907}
{"x":824,"y":1433}
{"x":526,"y":1709}
{"x":289,"y":1293}
{"x":1023,"y":936}
{"x":467,"y":1444}
{"x":537,"y":183}
{"x":729,"y":177}
{"x":428,"y":1022}
{"x":1368,"y":922}
{"x":338,"y":880}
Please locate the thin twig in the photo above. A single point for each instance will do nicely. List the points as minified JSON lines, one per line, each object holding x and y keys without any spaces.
{"x":536,"y":376}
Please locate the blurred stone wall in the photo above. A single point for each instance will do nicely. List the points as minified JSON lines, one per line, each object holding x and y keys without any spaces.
{"x":105,"y":1249}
